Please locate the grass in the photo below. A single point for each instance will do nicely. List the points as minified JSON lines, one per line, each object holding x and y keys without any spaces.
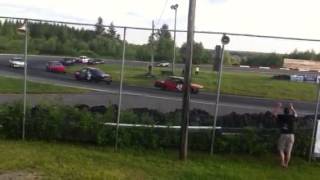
{"x":65,"y":161}
{"x":13,"y":85}
{"x":245,"y":84}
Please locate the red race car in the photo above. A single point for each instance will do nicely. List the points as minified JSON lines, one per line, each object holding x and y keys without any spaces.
{"x":55,"y":66}
{"x":175,"y":83}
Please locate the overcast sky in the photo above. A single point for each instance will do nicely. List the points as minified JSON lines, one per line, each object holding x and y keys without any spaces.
{"x":295,"y":18}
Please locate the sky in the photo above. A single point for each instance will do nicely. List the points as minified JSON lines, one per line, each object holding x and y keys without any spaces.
{"x":290,"y":18}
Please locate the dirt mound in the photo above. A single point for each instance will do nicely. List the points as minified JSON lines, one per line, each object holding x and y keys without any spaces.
{"x":19,"y":176}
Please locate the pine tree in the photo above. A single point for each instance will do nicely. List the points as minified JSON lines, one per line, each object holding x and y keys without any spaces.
{"x":99,"y":26}
{"x":111,"y":31}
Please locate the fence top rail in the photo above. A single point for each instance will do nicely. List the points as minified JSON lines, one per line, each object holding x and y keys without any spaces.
{"x":172,"y":30}
{"x":157,"y":126}
{"x":191,"y":127}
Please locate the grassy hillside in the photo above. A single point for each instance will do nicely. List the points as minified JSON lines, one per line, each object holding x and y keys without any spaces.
{"x":63,"y":161}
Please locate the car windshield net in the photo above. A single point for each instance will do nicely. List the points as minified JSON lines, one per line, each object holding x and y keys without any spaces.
{"x":17,"y":59}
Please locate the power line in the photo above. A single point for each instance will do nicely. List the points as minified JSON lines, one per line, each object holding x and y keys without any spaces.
{"x":163,"y":9}
{"x":171,"y":30}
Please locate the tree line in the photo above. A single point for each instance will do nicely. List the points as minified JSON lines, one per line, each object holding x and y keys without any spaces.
{"x":57,"y":39}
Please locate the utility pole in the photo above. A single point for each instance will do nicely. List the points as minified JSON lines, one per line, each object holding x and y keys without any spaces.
{"x":187,"y":81}
{"x":175,"y":8}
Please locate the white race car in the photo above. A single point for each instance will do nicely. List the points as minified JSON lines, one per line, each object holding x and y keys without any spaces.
{"x":16,"y":62}
{"x":82,"y":59}
{"x":163,"y":64}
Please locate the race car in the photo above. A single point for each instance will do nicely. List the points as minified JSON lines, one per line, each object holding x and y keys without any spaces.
{"x":55,"y":66}
{"x":95,"y":61}
{"x":175,"y":83}
{"x":82,"y":59}
{"x":92,"y":74}
{"x":163,"y":64}
{"x":16,"y":62}
{"x":68,"y":61}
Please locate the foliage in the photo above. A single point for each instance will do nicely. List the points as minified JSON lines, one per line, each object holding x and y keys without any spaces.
{"x":99,"y":26}
{"x":200,"y":55}
{"x":269,"y":60}
{"x":306,"y":55}
{"x":54,"y":122}
{"x":163,"y":44}
{"x":57,"y":39}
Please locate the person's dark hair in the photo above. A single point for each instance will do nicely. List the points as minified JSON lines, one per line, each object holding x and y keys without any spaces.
{"x":286,"y":110}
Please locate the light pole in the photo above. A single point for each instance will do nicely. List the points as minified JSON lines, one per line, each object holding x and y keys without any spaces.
{"x":225,"y":40}
{"x":174,"y":7}
{"x":24,"y":29}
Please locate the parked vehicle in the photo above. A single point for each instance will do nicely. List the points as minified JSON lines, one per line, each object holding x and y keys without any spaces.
{"x":16,"y":62}
{"x":55,"y":66}
{"x":163,"y":64}
{"x":175,"y":83}
{"x":95,"y":61}
{"x":68,"y":61}
{"x":82,"y":59}
{"x":281,"y":77}
{"x":92,"y":74}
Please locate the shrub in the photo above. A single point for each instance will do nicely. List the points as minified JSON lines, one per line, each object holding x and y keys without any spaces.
{"x":54,"y":122}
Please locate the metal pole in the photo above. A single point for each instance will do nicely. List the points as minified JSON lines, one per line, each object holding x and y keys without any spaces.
{"x":25,"y":80}
{"x":187,"y":81}
{"x":120,"y":89}
{"x":174,"y":40}
{"x":314,"y":122}
{"x":152,"y":48}
{"x":217,"y":100}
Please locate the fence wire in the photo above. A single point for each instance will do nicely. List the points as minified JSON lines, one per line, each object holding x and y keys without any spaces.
{"x":118,"y":124}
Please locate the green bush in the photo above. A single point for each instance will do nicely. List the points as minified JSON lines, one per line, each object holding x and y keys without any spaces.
{"x":54,"y":122}
{"x":11,"y":120}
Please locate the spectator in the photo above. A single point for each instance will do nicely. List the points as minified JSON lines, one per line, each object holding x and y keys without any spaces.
{"x":197,"y":70}
{"x":286,"y":123}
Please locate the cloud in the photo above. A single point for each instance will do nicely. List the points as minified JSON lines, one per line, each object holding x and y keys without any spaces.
{"x":293,"y":18}
{"x":217,"y":1}
{"x":27,"y":11}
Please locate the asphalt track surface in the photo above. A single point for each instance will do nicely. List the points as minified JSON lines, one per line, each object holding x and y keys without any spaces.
{"x":134,"y":97}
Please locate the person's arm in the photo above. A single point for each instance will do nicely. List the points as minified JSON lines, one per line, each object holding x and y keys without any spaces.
{"x":293,"y":110}
{"x":277,"y":109}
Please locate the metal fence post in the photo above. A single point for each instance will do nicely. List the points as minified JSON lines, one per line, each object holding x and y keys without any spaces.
{"x":314,"y":123}
{"x":120,"y":88}
{"x":25,"y":80}
{"x":152,"y":50}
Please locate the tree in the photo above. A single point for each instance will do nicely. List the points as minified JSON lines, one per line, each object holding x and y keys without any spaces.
{"x":164,"y":32}
{"x":99,"y":26}
{"x":111,"y":31}
{"x":163,"y":44}
{"x":199,"y":53}
{"x":270,"y":60}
